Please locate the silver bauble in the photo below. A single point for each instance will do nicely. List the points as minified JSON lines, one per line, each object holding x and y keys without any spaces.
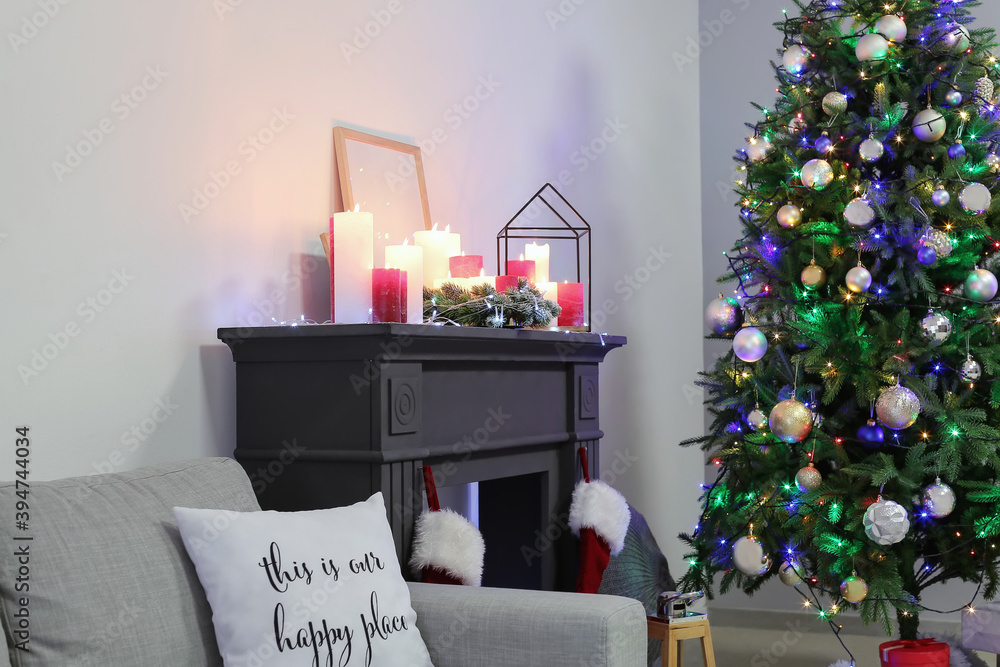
{"x":796,"y":59}
{"x":955,"y":38}
{"x":953,"y":98}
{"x":758,"y":148}
{"x":859,"y":213}
{"x":891,"y":27}
{"x":859,"y":279}
{"x":789,"y":216}
{"x":796,"y":125}
{"x":929,"y":125}
{"x":808,"y":479}
{"x":939,"y":240}
{"x":984,"y":94}
{"x":789,"y":573}
{"x":871,"y":47}
{"x":981,"y":286}
{"x":749,"y":557}
{"x":757,"y":420}
{"x":897,"y":407}
{"x":750,"y":344}
{"x":723,"y":315}
{"x":935,"y":327}
{"x":834,"y":103}
{"x":816,"y":174}
{"x":871,"y":150}
{"x":886,"y":522}
{"x":813,"y":276}
{"x":939,"y":500}
{"x":993,"y":162}
{"x":791,"y":421}
{"x":971,"y":371}
{"x":975,"y":198}
{"x":941,"y":197}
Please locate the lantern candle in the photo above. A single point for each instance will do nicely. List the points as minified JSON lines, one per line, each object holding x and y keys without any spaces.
{"x":465,"y":266}
{"x":438,"y":247}
{"x":550,"y":291}
{"x":388,"y":295}
{"x":570,"y":297}
{"x":522,"y":267}
{"x":410,"y":259}
{"x":540,"y":255}
{"x":352,"y":250}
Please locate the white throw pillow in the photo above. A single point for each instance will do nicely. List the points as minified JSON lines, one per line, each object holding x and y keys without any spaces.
{"x":320,"y":588}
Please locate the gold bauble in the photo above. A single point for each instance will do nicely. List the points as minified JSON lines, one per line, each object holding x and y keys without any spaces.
{"x":791,"y":421}
{"x":854,"y":589}
{"x":813,"y":275}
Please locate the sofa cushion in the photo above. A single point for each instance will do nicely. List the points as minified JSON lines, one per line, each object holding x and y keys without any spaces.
{"x":319,"y":587}
{"x":109,"y":582}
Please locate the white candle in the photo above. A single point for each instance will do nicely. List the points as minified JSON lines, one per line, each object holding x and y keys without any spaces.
{"x":438,"y":247}
{"x":352,"y":255}
{"x":550,"y":291}
{"x":539,"y":253}
{"x":461,"y":282}
{"x":410,"y":258}
{"x":483,"y":278}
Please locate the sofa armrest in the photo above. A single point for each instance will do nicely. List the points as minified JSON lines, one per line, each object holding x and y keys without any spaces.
{"x":473,"y":627}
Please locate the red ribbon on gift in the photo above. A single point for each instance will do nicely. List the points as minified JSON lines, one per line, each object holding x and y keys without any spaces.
{"x":915,"y":653}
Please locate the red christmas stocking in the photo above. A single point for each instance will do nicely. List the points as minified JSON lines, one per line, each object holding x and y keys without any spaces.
{"x":599,"y":516}
{"x":447,"y":547}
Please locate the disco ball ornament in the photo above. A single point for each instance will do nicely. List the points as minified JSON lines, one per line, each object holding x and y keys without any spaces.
{"x":796,"y":59}
{"x":939,"y":499}
{"x":750,"y":344}
{"x":796,"y":125}
{"x":871,"y":47}
{"x":789,"y":573}
{"x":789,"y":216}
{"x":749,"y":557}
{"x":808,"y":479}
{"x":723,"y":315}
{"x":886,"y":522}
{"x":935,"y":327}
{"x":834,"y":103}
{"x":824,"y":144}
{"x":854,"y":589}
{"x":813,"y":276}
{"x":859,"y":279}
{"x":871,"y":434}
{"x":897,"y":407}
{"x":953,"y":98}
{"x":993,"y":162}
{"x":955,"y":38}
{"x":817,"y":174}
{"x":758,"y":148}
{"x":757,"y":420}
{"x":891,"y":27}
{"x":956,"y":150}
{"x":975,"y":198}
{"x":971,"y":371}
{"x":871,"y":149}
{"x":791,"y":421}
{"x":941,"y":197}
{"x":937,"y":239}
{"x":926,"y":255}
{"x":981,"y":286}
{"x":929,"y":125}
{"x":859,"y":213}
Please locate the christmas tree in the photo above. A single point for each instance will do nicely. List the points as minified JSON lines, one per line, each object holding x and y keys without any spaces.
{"x":855,"y":423}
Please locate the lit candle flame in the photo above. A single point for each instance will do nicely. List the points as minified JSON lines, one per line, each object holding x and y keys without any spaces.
{"x":447,"y":228}
{"x":406,"y":241}
{"x":357,"y":208}
{"x":435,"y":227}
{"x":521,"y":258}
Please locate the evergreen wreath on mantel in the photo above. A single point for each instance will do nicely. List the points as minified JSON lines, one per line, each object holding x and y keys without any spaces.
{"x":484,"y":306}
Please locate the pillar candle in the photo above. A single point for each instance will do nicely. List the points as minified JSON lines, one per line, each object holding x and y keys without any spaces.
{"x":409,"y":258}
{"x":540,"y":254}
{"x":460,"y":282}
{"x":438,"y":247}
{"x":504,"y":282}
{"x":571,"y":300}
{"x":483,"y":278}
{"x":550,"y":291}
{"x":352,"y":250}
{"x":465,"y":266}
{"x":522,"y":267}
{"x":388,"y":295}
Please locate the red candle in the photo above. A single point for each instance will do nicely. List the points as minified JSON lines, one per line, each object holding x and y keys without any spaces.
{"x":522,"y":267}
{"x":503,"y":282}
{"x":570,"y":297}
{"x":388,"y":295}
{"x":465,"y":266}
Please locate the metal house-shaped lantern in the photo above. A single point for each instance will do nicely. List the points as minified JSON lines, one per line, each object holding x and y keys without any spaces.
{"x":547,"y":216}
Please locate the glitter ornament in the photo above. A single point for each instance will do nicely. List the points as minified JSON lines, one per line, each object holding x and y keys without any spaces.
{"x":975,"y":198}
{"x":808,"y":479}
{"x":953,"y":98}
{"x":984,"y":93}
{"x":941,"y":197}
{"x":824,"y":144}
{"x":758,"y":148}
{"x":789,"y":216}
{"x":813,"y":276}
{"x":935,"y":327}
{"x":871,"y":149}
{"x":749,"y":557}
{"x":929,"y":125}
{"x":796,"y":59}
{"x":789,"y":573}
{"x":886,"y":522}
{"x":926,"y":255}
{"x":993,"y":162}
{"x":816,"y":174}
{"x":956,"y":150}
{"x":971,"y":371}
{"x":859,"y":279}
{"x":897,"y":407}
{"x":750,"y":344}
{"x":757,"y":420}
{"x":871,"y":434}
{"x":834,"y":103}
{"x":955,"y":38}
{"x":791,"y":421}
{"x":891,"y":27}
{"x":939,"y":499}
{"x":854,"y":589}
{"x":937,"y":239}
{"x":723,"y":315}
{"x":796,"y":125}
{"x":859,"y":213}
{"x":871,"y":47}
{"x":981,"y":285}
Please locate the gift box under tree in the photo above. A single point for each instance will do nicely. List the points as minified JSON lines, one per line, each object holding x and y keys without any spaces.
{"x":915,"y":653}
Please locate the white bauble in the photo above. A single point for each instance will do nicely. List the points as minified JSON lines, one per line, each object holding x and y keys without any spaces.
{"x":886,"y":522}
{"x":871,"y":47}
{"x":749,"y":557}
{"x":796,"y":59}
{"x":859,"y":213}
{"x":891,"y":27}
{"x":929,"y":125}
{"x":758,"y":148}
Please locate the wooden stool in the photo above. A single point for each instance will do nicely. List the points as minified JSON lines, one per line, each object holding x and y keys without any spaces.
{"x":672,"y":631}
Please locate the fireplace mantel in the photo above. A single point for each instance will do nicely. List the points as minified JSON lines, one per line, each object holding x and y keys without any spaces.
{"x":329,"y":414}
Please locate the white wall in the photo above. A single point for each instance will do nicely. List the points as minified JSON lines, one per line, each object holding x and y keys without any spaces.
{"x":222,"y":75}
{"x":734,"y":71}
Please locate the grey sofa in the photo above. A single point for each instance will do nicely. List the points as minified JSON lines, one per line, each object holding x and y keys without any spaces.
{"x":100,"y":577}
